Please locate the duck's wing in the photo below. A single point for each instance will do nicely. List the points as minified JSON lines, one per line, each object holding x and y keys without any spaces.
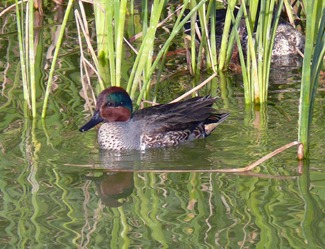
{"x":187,"y":114}
{"x":164,"y":108}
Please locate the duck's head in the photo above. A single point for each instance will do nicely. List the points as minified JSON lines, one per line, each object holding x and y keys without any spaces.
{"x":113,"y":105}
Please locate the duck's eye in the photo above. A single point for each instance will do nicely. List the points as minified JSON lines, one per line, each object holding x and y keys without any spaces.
{"x":109,"y":104}
{"x":122,"y":103}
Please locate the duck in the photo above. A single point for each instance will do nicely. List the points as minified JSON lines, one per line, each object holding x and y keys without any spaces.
{"x":152,"y":127}
{"x":288,"y":41}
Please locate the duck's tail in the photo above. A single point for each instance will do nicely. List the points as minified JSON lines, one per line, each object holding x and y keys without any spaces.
{"x":213,"y":121}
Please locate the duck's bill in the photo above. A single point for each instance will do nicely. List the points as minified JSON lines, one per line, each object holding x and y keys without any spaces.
{"x":96,"y":119}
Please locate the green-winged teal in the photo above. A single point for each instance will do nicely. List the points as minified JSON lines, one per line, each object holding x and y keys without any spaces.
{"x":156,"y":126}
{"x":288,"y":41}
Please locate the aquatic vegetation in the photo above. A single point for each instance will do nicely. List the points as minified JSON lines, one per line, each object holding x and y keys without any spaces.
{"x":254,"y":46}
{"x":168,"y":197}
{"x":313,"y":60}
{"x":256,"y":66}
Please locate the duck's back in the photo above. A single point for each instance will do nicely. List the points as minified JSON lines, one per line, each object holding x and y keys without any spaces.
{"x":175,"y":123}
{"x":162,"y":125}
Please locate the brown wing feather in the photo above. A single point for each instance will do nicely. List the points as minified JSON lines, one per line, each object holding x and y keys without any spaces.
{"x":185,"y":115}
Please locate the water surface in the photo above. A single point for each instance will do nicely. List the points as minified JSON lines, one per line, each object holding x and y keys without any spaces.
{"x":58,"y":190}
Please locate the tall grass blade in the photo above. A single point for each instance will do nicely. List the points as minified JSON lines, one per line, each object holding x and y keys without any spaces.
{"x":146,"y":50}
{"x":22,"y":57}
{"x":261,"y":22}
{"x":313,"y":59}
{"x":248,"y":92}
{"x":177,"y":27}
{"x":104,"y":21}
{"x":225,"y":35}
{"x":213,"y":40}
{"x":31,"y":55}
{"x":119,"y":39}
{"x":193,"y":69}
{"x":55,"y":56}
{"x":27,"y":53}
{"x":251,"y":60}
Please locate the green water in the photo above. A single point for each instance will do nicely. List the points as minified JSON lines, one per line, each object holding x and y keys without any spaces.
{"x":56,"y":191}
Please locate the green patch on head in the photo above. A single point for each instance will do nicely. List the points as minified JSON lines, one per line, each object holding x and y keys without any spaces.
{"x":117,"y":99}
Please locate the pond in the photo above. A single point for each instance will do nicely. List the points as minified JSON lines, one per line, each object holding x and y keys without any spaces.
{"x":59,"y":190}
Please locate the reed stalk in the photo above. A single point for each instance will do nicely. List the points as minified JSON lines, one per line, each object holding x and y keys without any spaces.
{"x":119,"y":39}
{"x":233,"y":36}
{"x":260,"y":45}
{"x":289,"y":11}
{"x":104,"y":18}
{"x":31,"y":54}
{"x":204,"y":52}
{"x":177,"y":27}
{"x":144,"y":57}
{"x":200,"y":57}
{"x":110,"y":22}
{"x":27,"y":53}
{"x":110,"y":43}
{"x":55,"y":56}
{"x":24,"y":70}
{"x":213,"y":41}
{"x":312,"y":63}
{"x":193,"y":39}
{"x":225,"y":35}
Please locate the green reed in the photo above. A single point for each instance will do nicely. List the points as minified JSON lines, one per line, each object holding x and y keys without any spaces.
{"x":260,"y":40}
{"x":110,"y":38}
{"x":204,"y":51}
{"x":27,"y":53}
{"x":111,"y":43}
{"x":151,"y":69}
{"x":22,"y":55}
{"x":256,"y":68}
{"x":55,"y":56}
{"x":313,"y":59}
{"x":31,"y":53}
{"x":227,"y":42}
{"x":144,"y":56}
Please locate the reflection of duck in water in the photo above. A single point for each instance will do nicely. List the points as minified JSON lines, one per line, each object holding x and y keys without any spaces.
{"x":113,"y":186}
{"x":288,"y":41}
